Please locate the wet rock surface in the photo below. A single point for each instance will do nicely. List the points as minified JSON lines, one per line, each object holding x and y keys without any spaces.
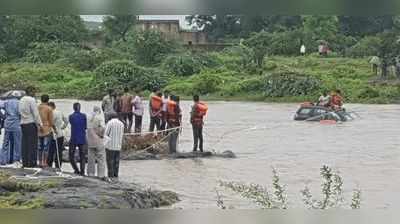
{"x":51,"y":190}
{"x":143,"y":155}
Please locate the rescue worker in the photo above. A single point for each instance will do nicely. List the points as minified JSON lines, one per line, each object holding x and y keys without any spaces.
{"x":337,"y":100}
{"x":199,"y":110}
{"x":174,"y":120}
{"x":11,"y":151}
{"x":155,"y":111}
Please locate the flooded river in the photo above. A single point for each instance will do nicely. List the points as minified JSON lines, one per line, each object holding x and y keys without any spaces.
{"x":365,"y":151}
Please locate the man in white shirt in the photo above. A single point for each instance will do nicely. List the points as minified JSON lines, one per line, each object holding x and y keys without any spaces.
{"x":138,"y":109}
{"x":57,"y":143}
{"x":96,"y":150}
{"x":113,"y":137}
{"x":30,"y":124}
{"x":165,"y":100}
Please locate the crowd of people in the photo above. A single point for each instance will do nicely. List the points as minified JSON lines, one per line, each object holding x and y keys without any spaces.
{"x":34,"y":134}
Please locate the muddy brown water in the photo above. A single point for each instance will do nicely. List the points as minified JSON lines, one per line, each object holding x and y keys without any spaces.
{"x":366,"y":152}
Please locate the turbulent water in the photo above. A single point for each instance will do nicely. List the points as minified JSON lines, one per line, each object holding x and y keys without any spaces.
{"x":366,"y":152}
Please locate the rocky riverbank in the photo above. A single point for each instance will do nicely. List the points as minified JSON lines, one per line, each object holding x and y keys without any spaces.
{"x":29,"y":188}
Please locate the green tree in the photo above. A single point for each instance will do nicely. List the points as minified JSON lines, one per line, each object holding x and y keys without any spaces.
{"x":116,"y":27}
{"x":361,"y":26}
{"x":20,"y":31}
{"x":150,"y":46}
{"x":319,"y":28}
{"x":259,"y":43}
{"x":216,"y":26}
{"x":388,"y":50}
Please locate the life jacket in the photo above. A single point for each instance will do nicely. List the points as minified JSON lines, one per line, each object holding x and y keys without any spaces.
{"x":173,"y":118}
{"x":336,"y":100}
{"x":156,"y":103}
{"x":201,"y":109}
{"x":171,"y":108}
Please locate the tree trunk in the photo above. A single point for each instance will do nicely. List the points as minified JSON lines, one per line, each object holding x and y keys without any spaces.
{"x":384,"y":74}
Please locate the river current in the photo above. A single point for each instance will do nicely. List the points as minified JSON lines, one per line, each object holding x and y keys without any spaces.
{"x":366,"y":152}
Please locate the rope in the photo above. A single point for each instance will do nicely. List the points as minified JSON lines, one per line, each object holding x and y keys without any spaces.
{"x":153,"y":132}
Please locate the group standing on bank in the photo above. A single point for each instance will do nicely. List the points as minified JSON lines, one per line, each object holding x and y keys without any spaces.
{"x":34,"y":134}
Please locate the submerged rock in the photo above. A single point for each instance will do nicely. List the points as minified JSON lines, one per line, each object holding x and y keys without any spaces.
{"x":46,"y":189}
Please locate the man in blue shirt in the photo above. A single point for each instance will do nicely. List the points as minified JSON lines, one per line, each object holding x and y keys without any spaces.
{"x":78,"y":123}
{"x":11,"y":151}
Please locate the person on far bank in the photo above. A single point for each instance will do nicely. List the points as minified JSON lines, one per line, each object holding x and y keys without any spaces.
{"x":57,"y":143}
{"x":113,"y":136}
{"x":78,"y":123}
{"x":107,"y":105}
{"x":45,"y":133}
{"x":126,"y":109}
{"x":155,"y":112}
{"x":96,"y":151}
{"x":199,"y":110}
{"x":138,"y":110}
{"x":303,"y":50}
{"x":174,"y":119}
{"x":11,"y":151}
{"x":30,"y":124}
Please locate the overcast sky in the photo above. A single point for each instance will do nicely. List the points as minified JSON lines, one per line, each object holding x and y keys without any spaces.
{"x":181,"y":18}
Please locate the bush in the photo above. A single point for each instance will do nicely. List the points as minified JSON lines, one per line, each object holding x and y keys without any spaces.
{"x":206,"y":83}
{"x":47,"y":52}
{"x":57,"y":81}
{"x":368,"y":92}
{"x":188,"y":64}
{"x":290,"y":84}
{"x":120,"y":73}
{"x":368,"y":46}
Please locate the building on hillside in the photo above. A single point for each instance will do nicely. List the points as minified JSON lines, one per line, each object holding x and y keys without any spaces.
{"x":172,"y":30}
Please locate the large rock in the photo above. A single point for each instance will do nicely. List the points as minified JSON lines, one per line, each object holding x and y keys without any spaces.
{"x":46,"y":189}
{"x":142,"y":155}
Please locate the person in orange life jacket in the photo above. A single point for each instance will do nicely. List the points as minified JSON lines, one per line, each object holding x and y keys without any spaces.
{"x":174,"y":120}
{"x":337,"y":100}
{"x":196,"y":119}
{"x":155,"y":111}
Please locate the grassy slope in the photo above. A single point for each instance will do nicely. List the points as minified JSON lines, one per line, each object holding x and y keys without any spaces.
{"x":352,"y":76}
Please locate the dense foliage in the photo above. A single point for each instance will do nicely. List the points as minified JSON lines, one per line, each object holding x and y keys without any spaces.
{"x":262,"y":61}
{"x":121,"y":73}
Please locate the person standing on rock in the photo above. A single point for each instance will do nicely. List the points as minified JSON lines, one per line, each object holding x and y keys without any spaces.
{"x":57,"y":143}
{"x":96,"y":151}
{"x":30,"y":124}
{"x":107,"y":105}
{"x":45,"y":133}
{"x":78,"y":123}
{"x":199,"y":110}
{"x":138,"y":109}
{"x":155,"y":112}
{"x":174,"y":119}
{"x":165,"y":100}
{"x":126,"y":110}
{"x":113,"y":137}
{"x":11,"y":151}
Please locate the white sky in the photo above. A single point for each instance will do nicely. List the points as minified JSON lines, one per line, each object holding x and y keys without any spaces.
{"x":181,"y":18}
